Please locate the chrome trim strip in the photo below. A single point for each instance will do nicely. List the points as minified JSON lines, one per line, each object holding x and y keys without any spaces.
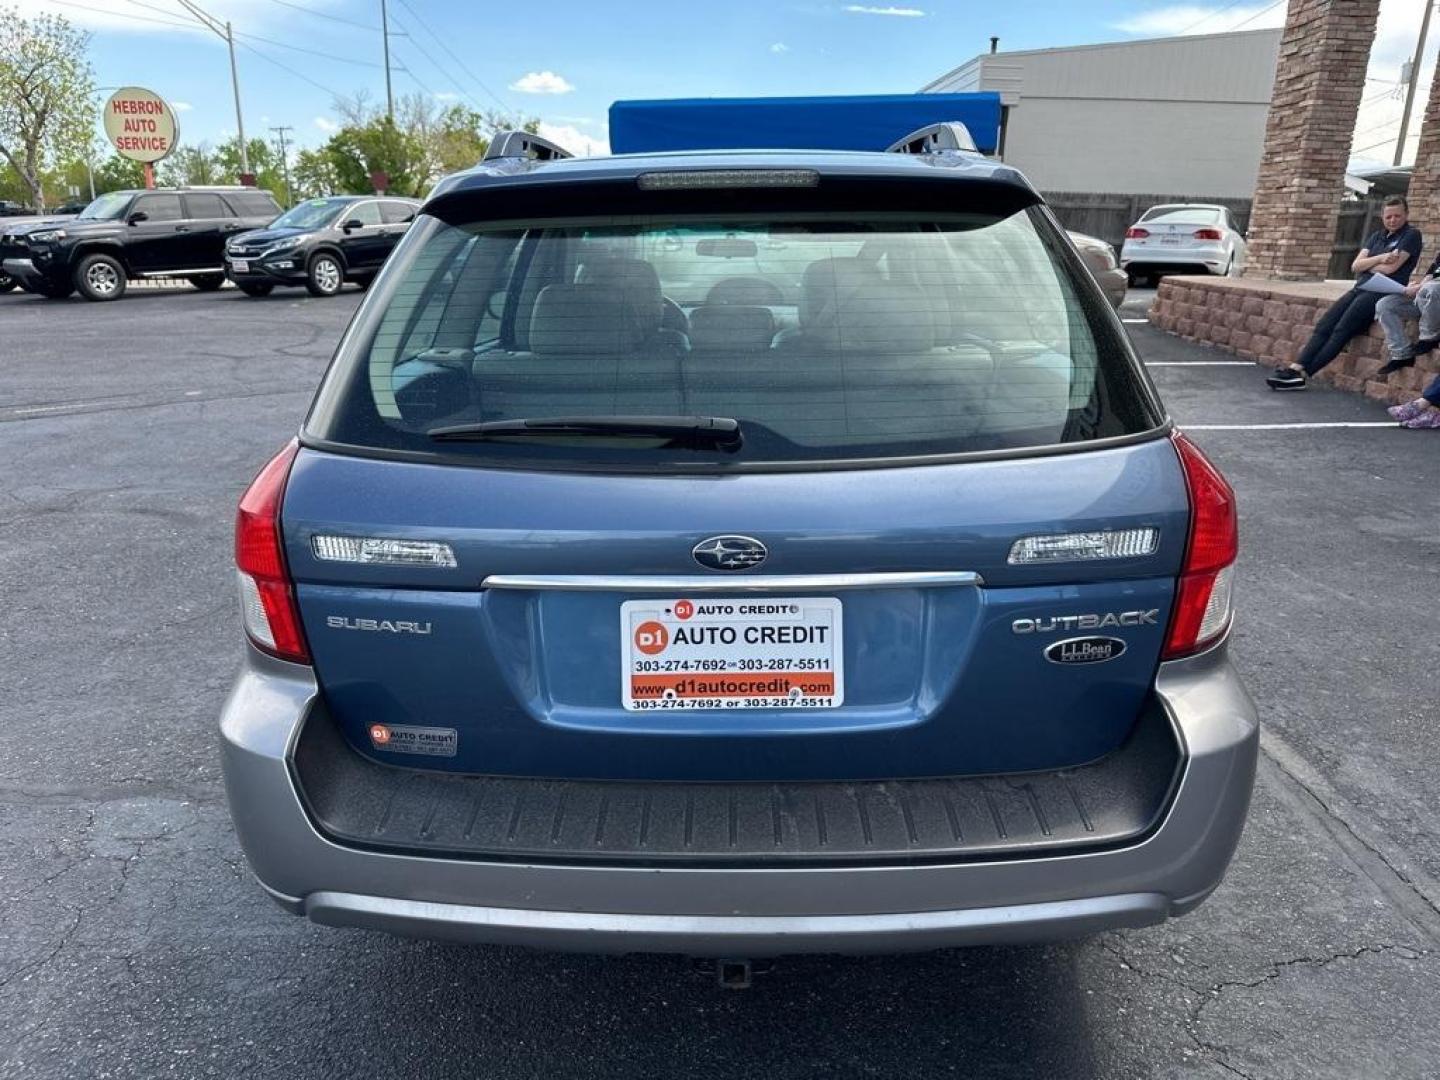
{"x":182,"y":273}
{"x":685,"y":584}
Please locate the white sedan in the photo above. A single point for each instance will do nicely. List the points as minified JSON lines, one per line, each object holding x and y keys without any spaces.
{"x":1195,"y":238}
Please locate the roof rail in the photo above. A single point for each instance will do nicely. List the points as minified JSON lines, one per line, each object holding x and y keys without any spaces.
{"x":933,"y":138}
{"x":522,"y":144}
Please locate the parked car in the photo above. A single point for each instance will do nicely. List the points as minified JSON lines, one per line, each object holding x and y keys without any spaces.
{"x":1100,"y":260}
{"x":1182,"y":239}
{"x":320,"y":244}
{"x":14,"y":209}
{"x":125,"y":235}
{"x":696,"y":553}
{"x":69,"y":209}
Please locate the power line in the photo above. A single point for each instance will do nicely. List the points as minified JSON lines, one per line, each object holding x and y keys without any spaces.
{"x":443,"y":71}
{"x":326,"y":15}
{"x":124,"y":14}
{"x":418,"y":81}
{"x":311,"y":52}
{"x":504,"y":108}
{"x":1209,"y":16}
{"x":1262,"y":11}
{"x":292,"y":71}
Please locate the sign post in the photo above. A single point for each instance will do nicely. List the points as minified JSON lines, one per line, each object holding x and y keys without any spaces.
{"x":141,"y":127}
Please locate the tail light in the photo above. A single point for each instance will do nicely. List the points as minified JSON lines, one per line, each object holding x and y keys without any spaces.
{"x":1135,"y":233}
{"x":1202,"y":602}
{"x":267,"y":597}
{"x":1208,"y":234}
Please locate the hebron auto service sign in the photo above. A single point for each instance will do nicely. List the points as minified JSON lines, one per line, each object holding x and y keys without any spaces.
{"x":140,"y":125}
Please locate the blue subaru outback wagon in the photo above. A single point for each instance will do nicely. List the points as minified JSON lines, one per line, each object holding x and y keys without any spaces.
{"x":737,"y":554}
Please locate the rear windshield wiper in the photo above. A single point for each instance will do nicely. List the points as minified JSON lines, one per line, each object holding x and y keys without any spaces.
{"x":720,"y":431}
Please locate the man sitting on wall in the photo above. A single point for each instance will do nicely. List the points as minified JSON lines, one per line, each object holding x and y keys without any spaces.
{"x":1421,"y":300}
{"x":1392,"y":251}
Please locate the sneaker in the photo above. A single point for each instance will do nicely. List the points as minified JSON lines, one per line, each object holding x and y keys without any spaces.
{"x":1409,"y":410}
{"x":1398,"y":361}
{"x":1429,"y":419}
{"x":1287,"y":379}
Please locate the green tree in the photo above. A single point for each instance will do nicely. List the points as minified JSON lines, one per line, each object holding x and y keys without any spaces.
{"x":116,"y":173}
{"x":264,"y":163}
{"x":356,"y":153}
{"x":313,"y":174}
{"x":46,"y":86}
{"x":190,"y":165}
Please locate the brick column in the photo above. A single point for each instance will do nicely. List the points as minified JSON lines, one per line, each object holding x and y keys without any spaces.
{"x":1319,"y":78}
{"x":1424,"y":194}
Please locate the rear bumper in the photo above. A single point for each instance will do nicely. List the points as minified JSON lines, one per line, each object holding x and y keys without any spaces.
{"x":745,"y":911}
{"x":1202,"y":258}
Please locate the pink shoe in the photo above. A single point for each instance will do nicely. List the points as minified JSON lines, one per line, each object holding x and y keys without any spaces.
{"x":1429,"y":419}
{"x":1409,"y":410}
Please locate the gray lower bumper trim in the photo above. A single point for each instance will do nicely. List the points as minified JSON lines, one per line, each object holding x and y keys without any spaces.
{"x":736,"y":935}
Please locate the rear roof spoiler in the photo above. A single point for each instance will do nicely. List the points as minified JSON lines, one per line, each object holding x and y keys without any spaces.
{"x":935,"y":138}
{"x":523,"y":144}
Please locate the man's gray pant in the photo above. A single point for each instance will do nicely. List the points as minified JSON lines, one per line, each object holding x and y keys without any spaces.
{"x":1394,"y":310}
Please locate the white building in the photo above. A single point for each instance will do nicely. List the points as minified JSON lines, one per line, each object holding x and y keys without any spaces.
{"x":1173,"y":116}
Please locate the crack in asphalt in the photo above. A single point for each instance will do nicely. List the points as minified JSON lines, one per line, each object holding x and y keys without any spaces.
{"x":1426,"y":915}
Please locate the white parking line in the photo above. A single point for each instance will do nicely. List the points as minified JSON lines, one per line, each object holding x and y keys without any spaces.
{"x":34,"y":409}
{"x":1292,"y":427}
{"x":1135,"y":320}
{"x":1199,"y":363}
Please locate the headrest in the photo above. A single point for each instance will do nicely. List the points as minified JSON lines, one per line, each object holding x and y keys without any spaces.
{"x":731,"y":328}
{"x":745,"y":291}
{"x":824,"y":278}
{"x":588,"y":319}
{"x":877,"y":317}
{"x":636,"y":279}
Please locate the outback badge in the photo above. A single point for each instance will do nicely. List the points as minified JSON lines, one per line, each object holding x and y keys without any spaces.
{"x":1085,"y":650}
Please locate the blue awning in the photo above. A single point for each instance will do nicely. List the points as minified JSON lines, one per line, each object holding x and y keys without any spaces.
{"x":870,"y":122}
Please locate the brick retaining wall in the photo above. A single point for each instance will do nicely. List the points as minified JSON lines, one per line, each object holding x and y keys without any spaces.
{"x":1269,"y":322}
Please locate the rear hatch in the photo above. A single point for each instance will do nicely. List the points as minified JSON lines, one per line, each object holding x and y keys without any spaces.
{"x":945,"y":543}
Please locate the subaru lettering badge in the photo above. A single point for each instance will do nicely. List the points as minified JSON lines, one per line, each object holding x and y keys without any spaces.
{"x":729,"y":552}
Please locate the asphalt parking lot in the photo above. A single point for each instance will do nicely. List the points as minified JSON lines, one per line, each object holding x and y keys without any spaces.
{"x":133,"y":942}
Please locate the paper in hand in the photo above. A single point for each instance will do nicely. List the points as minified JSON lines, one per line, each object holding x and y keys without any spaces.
{"x":1382,"y":284}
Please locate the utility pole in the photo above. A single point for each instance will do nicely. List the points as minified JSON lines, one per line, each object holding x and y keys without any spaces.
{"x":1414,"y":78}
{"x":285,"y":161}
{"x":385,"y":36}
{"x":223,"y":31}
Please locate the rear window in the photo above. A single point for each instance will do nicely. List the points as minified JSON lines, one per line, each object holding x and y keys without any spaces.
{"x":1182,"y":215}
{"x":826,"y":337}
{"x":253,"y":203}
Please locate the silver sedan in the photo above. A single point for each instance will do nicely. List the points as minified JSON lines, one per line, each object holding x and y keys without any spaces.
{"x":1100,"y":259}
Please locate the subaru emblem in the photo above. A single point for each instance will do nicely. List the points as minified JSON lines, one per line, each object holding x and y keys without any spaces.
{"x":729,"y":552}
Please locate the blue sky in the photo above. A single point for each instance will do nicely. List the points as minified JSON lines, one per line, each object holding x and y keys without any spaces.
{"x":565,"y":61}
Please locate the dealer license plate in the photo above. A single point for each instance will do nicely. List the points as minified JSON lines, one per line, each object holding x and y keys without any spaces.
{"x":755,"y":653}
{"x":240,"y":266}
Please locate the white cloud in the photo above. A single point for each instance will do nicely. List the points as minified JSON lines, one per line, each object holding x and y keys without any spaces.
{"x":779,"y":47}
{"x":181,"y":106}
{"x":541,"y":82}
{"x":906,"y":12}
{"x":573,"y":119}
{"x":325,"y":124}
{"x":1178,"y":19}
{"x":574,"y":140}
{"x":446,"y":95}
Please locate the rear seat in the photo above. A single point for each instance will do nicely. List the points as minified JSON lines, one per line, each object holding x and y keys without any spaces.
{"x":590,"y":352}
{"x":864,"y":363}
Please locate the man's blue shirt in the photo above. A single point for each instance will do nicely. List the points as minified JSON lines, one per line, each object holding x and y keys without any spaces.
{"x":1406,"y":238}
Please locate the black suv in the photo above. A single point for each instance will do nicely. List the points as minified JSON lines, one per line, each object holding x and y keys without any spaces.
{"x":133,"y":234}
{"x":320,"y":244}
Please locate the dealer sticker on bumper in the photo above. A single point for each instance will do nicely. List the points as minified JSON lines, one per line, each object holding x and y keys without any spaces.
{"x":239,"y":266}
{"x":754,"y":653}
